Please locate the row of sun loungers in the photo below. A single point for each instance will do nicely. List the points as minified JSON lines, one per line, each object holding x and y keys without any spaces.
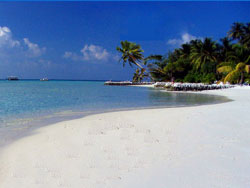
{"x":191,"y":86}
{"x":174,"y":86}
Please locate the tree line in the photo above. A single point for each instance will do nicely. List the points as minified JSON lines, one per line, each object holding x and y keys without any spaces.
{"x":200,"y":60}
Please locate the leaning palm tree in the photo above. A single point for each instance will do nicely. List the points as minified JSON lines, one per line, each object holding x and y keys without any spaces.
{"x":203,"y":53}
{"x":136,"y":75}
{"x":234,"y":75}
{"x":152,"y":58}
{"x":131,"y":53}
{"x":236,"y":64}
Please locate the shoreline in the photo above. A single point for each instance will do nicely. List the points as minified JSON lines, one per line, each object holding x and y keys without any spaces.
{"x":11,"y":133}
{"x":115,"y":148}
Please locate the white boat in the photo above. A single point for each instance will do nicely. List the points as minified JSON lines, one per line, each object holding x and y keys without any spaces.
{"x":12,"y":78}
{"x":44,"y":79}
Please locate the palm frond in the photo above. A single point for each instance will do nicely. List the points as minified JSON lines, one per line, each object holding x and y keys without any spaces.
{"x":247,"y":69}
{"x":232,"y":77}
{"x":225,"y":69}
{"x":240,"y":67}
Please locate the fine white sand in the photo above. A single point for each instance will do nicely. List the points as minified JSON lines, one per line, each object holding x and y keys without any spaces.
{"x":202,"y":146}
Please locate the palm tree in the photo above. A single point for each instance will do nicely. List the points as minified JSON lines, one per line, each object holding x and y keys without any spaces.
{"x":131,"y":53}
{"x":246,"y":37}
{"x":153,"y":58}
{"x":139,"y":75}
{"x":238,"y":54}
{"x":234,"y":75}
{"x":156,"y":65}
{"x":158,"y":72}
{"x":227,"y":46}
{"x":240,"y":32}
{"x":224,"y":49}
{"x":203,"y":54}
{"x":236,"y":31}
{"x":236,"y":64}
{"x":185,"y":51}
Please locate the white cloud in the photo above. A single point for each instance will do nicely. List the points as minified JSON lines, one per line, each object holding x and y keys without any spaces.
{"x":6,"y":40}
{"x":185,"y":38}
{"x":94,"y":52}
{"x":73,"y":56}
{"x":89,"y":52}
{"x":33,"y":49}
{"x":22,"y":48}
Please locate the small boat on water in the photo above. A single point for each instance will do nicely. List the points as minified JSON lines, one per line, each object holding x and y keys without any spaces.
{"x":44,"y":79}
{"x":11,"y":78}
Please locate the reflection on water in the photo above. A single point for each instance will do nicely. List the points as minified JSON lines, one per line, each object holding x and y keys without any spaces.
{"x":176,"y":99}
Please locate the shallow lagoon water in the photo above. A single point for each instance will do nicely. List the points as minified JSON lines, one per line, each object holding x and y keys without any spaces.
{"x":28,"y":105}
{"x":22,"y":101}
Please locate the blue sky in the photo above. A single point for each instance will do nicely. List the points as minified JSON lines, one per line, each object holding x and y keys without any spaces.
{"x":77,"y":40}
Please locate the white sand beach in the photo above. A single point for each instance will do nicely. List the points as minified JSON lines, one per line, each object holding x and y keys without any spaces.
{"x":200,"y":146}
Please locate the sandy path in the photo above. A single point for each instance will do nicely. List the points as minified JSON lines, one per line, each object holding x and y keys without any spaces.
{"x":203,"y":146}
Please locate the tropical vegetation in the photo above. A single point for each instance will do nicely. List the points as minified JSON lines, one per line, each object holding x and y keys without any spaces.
{"x":200,"y":60}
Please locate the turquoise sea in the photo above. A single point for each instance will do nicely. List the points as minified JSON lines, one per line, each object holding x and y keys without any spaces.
{"x":24,"y":101}
{"x":29,"y":104}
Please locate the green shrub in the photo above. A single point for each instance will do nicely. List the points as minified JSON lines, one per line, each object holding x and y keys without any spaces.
{"x":198,"y":77}
{"x":208,"y":78}
{"x":189,"y":78}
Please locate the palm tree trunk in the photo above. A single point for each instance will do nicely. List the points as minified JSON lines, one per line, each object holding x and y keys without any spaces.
{"x":145,"y":70}
{"x":241,"y":78}
{"x":172,"y":78}
{"x":139,"y":65}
